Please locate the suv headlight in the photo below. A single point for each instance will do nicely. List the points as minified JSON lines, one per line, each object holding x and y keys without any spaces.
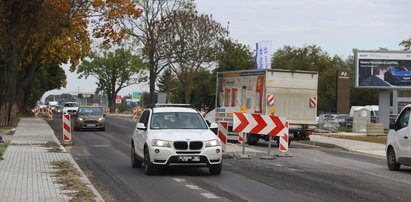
{"x":160,"y":143}
{"x":212,"y":143}
{"x":101,"y":119}
{"x":80,"y":119}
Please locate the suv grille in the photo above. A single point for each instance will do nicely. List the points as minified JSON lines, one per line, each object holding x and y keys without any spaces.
{"x":181,"y":145}
{"x":196,"y":145}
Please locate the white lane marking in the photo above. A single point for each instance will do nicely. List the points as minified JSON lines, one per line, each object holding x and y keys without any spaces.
{"x":209,"y":195}
{"x":292,"y":169}
{"x":192,"y":186}
{"x":278,"y":165}
{"x":179,"y":179}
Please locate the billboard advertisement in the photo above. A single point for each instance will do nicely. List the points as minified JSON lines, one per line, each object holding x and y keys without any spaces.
{"x":137,"y":96}
{"x":382,"y":69}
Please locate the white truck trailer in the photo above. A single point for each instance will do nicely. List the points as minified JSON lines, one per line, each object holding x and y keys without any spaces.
{"x":294,"y":94}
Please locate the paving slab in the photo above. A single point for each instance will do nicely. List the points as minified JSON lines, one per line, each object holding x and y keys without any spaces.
{"x":352,"y":145}
{"x":25,"y":174}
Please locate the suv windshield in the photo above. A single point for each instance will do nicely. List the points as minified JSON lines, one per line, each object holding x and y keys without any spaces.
{"x":71,"y":105}
{"x":177,"y":120}
{"x":90,"y":111}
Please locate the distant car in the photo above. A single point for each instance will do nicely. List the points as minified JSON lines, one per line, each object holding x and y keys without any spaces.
{"x":398,"y":141}
{"x":89,"y":118}
{"x":175,"y":136}
{"x":341,"y":119}
{"x":70,"y":107}
{"x":398,"y":75}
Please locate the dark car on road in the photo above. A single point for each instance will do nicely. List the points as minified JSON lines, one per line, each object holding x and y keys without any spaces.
{"x":398,"y":75}
{"x":89,"y":118}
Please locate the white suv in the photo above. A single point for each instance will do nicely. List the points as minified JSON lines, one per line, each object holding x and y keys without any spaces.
{"x":174,"y":136}
{"x":398,"y":141}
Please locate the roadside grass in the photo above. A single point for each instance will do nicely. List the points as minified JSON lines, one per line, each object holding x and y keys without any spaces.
{"x":346,"y":130}
{"x":374,"y":139}
{"x":3,"y":147}
{"x":69,"y":177}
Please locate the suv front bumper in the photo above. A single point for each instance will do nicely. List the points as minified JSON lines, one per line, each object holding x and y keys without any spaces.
{"x":167,"y":156}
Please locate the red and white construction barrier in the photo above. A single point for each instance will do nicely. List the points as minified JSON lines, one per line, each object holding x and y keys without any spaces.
{"x":284,"y":139}
{"x":222,"y":133}
{"x":66,"y":128}
{"x":240,"y":138}
{"x":36,"y":111}
{"x":135,"y":113}
{"x":258,"y":124}
{"x":50,"y":112}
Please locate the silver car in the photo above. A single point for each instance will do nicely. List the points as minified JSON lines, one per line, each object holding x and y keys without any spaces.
{"x":89,"y":118}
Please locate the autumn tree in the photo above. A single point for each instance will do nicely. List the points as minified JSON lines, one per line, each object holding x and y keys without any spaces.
{"x":191,"y":43}
{"x":114,"y":70}
{"x":40,"y":32}
{"x":145,"y":32}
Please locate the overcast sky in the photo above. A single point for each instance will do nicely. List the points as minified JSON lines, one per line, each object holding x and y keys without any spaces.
{"x":337,"y":26}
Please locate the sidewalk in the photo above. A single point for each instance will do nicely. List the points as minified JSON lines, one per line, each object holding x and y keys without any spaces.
{"x":352,"y":145}
{"x":25,"y":172}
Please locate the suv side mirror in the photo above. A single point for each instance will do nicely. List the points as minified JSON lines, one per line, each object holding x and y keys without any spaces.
{"x":392,"y":125}
{"x":213,"y":126}
{"x":141,"y":126}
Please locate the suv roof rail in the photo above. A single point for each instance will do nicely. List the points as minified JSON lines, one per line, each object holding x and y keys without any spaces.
{"x":158,"y":105}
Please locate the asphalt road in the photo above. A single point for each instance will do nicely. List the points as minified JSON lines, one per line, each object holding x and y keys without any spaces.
{"x":312,"y":174}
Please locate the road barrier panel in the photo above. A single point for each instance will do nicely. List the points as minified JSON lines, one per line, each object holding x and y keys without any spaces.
{"x":135,"y":113}
{"x":283,"y":143}
{"x":66,"y":129}
{"x":50,"y":112}
{"x":259,"y":124}
{"x":36,"y":111}
{"x":222,"y":133}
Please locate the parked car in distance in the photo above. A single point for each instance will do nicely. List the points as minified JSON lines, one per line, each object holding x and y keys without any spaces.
{"x":341,"y":119}
{"x":172,"y":135}
{"x":398,"y":75}
{"x":398,"y":146}
{"x":89,"y":118}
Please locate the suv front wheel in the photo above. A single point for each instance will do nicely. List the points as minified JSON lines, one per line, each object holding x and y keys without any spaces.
{"x":216,"y":169}
{"x":391,"y":161}
{"x":135,"y":163}
{"x":148,"y":166}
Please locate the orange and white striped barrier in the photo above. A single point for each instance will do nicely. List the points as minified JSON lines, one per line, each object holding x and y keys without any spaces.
{"x":222,"y":133}
{"x":66,"y":128}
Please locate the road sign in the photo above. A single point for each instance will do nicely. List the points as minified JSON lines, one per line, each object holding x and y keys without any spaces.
{"x":66,"y":128}
{"x":258,"y":124}
{"x":136,"y":96}
{"x":222,"y":133}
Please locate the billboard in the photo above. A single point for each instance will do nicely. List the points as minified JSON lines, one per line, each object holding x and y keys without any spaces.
{"x":382,"y":69}
{"x":137,"y":96}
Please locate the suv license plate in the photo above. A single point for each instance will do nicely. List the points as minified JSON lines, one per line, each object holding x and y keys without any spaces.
{"x":91,"y":125}
{"x":188,"y":158}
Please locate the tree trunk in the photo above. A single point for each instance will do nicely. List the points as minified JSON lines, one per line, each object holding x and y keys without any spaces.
{"x":153,"y":78}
